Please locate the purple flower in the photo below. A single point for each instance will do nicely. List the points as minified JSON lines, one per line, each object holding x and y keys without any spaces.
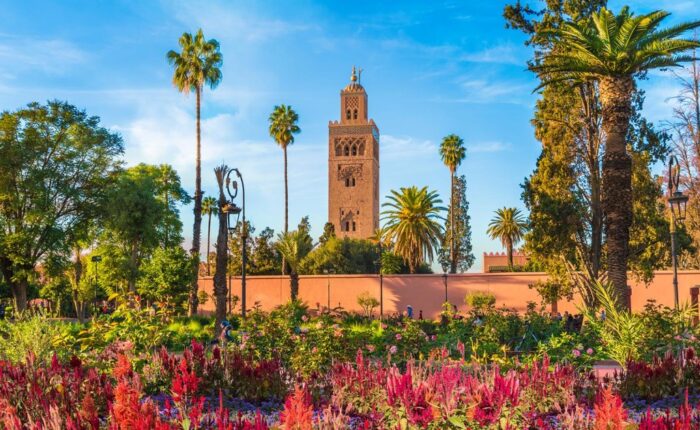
{"x":398,"y":336}
{"x":589,"y":351}
{"x":576,"y":353}
{"x":393,"y":349}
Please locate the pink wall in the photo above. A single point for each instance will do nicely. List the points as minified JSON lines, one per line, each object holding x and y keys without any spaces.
{"x":427,"y":292}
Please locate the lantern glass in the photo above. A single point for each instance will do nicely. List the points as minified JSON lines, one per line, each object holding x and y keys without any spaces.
{"x":678,"y":205}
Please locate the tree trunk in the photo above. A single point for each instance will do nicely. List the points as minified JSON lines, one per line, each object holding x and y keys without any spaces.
{"x":196,"y":229}
{"x":615,"y":96}
{"x":293,"y":285}
{"x":286,"y":206}
{"x":134,"y":266}
{"x":78,"y":304}
{"x":453,"y":249}
{"x":220,"y":287}
{"x":509,"y":252}
{"x":208,"y":245}
{"x":18,"y":288}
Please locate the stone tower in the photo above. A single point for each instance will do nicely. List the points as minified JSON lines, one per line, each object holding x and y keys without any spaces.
{"x":353,"y":165}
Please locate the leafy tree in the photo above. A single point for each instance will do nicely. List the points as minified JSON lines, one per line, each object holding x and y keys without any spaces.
{"x":55,"y":165}
{"x":131,"y":228}
{"x":611,"y":50}
{"x":264,"y":259}
{"x":509,"y":227}
{"x":462,"y":231}
{"x":209,"y":207}
{"x":412,"y":224}
{"x":196,"y":65}
{"x":283,"y":126}
{"x":294,"y":246}
{"x":166,"y":277}
{"x":328,"y":233}
{"x":452,"y":153}
{"x":236,"y":247}
{"x":346,"y":256}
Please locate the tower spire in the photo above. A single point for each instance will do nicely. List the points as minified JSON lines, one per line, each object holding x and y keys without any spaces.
{"x":353,"y":77}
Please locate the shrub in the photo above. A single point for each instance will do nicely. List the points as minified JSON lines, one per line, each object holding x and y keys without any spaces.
{"x":34,"y":336}
{"x":367,"y":302}
{"x":480,"y":301}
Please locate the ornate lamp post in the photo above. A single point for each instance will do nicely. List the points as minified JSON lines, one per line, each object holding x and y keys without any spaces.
{"x":677,"y":202}
{"x":232,"y":190}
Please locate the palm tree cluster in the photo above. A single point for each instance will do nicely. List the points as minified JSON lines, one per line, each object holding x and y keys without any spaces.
{"x":509,"y":227}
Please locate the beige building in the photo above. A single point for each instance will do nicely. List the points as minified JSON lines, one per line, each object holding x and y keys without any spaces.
{"x":353,"y":165}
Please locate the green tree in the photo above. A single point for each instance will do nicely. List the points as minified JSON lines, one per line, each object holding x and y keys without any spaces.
{"x":328,"y":233}
{"x":611,"y":50}
{"x":283,"y":126}
{"x":196,"y":65}
{"x":264,"y":259}
{"x":166,"y":277}
{"x":236,"y":247}
{"x":55,"y":164}
{"x":412,"y":224}
{"x":462,"y":231}
{"x":131,"y":228}
{"x":209,"y":207}
{"x":452,"y":153}
{"x":346,"y":256}
{"x":294,"y":246}
{"x":509,"y":227}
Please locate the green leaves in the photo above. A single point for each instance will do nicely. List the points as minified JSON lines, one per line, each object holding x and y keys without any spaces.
{"x":283,"y":125}
{"x":197,"y":64}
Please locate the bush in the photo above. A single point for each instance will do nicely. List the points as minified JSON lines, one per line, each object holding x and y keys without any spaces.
{"x":367,"y":302}
{"x":35,"y":336}
{"x":480,"y":301}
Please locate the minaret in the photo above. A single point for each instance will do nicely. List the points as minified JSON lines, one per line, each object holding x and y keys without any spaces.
{"x":353,"y":165}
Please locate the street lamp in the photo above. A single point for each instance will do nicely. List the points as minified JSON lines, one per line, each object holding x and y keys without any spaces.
{"x":232,"y":190}
{"x":677,"y":202}
{"x":381,"y":279}
{"x":96,"y":259}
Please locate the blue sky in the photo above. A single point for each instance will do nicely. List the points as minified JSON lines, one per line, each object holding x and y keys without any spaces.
{"x":431,"y":68}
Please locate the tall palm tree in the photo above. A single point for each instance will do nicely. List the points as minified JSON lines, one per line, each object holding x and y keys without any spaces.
{"x":220,"y":287}
{"x":509,"y":227}
{"x":412,"y":224}
{"x":283,"y":127}
{"x":210,"y":207}
{"x":294,"y":246}
{"x":198,"y":64}
{"x":612,"y":50}
{"x":452,"y":152}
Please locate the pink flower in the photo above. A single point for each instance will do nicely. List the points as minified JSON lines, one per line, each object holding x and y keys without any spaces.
{"x":393,"y":349}
{"x":304,"y":318}
{"x":433,"y":338}
{"x":370,"y":348}
{"x":314,"y":350}
{"x":589,"y":351}
{"x":398,"y":336}
{"x":576,"y":353}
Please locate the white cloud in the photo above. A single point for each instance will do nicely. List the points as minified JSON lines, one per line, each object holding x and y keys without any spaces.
{"x":489,"y":146}
{"x":499,"y":54}
{"x":51,"y":56}
{"x":480,"y":90}
{"x":401,"y":147}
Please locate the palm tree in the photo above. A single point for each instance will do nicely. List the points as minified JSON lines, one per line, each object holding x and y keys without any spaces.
{"x":198,"y":64}
{"x":220,"y":287}
{"x":283,"y":127}
{"x":209,"y":207}
{"x":413,"y":226}
{"x":612,"y":50}
{"x":294,"y":246}
{"x":452,"y":152}
{"x":509,"y":227}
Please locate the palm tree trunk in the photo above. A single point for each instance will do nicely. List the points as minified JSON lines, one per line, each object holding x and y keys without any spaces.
{"x":453,"y":253}
{"x":294,"y":285}
{"x":615,"y":96}
{"x":509,"y":251}
{"x":196,"y":229}
{"x":286,"y":204}
{"x":220,"y":287}
{"x":208,"y":245}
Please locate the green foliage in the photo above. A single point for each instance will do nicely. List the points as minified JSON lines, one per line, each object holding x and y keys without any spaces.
{"x":347,"y":256}
{"x":283,"y":125}
{"x":480,"y":301}
{"x":198,"y":64}
{"x":552,"y":291}
{"x":165,"y":277}
{"x":462,"y":231}
{"x":55,"y":164}
{"x":412,"y":224}
{"x":367,"y":302}
{"x":33,"y":335}
{"x":622,"y":332}
{"x":508,"y":226}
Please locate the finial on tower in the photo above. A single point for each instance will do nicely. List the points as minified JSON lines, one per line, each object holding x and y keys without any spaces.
{"x":353,"y":77}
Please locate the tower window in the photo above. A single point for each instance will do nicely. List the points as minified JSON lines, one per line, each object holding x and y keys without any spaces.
{"x":352,"y":182}
{"x":347,"y":225}
{"x":353,"y":226}
{"x":354,"y":150}
{"x":347,"y":182}
{"x":354,"y":114}
{"x":347,"y":114}
{"x":347,"y":150}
